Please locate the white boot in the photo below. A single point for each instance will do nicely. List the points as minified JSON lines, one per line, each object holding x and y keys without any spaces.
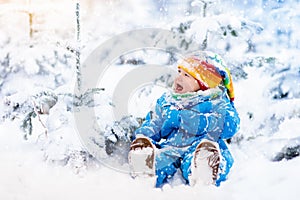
{"x":205,"y":163}
{"x":141,"y":157}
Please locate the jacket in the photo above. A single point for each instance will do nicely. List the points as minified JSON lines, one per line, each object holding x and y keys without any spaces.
{"x":181,"y":119}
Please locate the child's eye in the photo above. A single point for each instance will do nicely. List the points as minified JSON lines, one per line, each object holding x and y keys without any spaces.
{"x":179,"y":70}
{"x":187,"y":75}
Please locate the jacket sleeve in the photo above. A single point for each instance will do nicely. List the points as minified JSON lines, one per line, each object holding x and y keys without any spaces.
{"x":231,"y":122}
{"x":222,"y":123}
{"x":152,"y":125}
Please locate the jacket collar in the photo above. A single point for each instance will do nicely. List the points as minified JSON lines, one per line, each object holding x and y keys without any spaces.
{"x":189,"y":100}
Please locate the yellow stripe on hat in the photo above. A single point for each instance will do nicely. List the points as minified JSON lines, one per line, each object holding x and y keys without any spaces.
{"x":202,"y":71}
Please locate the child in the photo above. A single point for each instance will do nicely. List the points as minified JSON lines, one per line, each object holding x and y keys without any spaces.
{"x":188,"y":126}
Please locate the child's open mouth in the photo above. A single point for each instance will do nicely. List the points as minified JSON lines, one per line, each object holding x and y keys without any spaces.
{"x":178,"y":88}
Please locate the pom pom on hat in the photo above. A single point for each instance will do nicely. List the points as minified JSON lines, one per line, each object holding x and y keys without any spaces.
{"x":209,"y":69}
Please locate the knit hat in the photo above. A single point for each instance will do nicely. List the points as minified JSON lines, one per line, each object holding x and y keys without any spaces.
{"x":209,"y":69}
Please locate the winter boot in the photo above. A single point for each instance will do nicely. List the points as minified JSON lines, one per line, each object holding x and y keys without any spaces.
{"x":205,"y":163}
{"x":141,"y":157}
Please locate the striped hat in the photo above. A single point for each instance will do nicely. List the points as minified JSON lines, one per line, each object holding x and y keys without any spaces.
{"x":209,"y":69}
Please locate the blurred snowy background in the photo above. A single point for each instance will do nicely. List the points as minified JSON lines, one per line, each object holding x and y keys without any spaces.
{"x":43,"y":44}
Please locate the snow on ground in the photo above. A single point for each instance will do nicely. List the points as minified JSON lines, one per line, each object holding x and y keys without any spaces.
{"x":24,"y":175}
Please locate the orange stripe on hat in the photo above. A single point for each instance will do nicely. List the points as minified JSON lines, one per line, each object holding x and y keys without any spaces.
{"x":204,"y":72}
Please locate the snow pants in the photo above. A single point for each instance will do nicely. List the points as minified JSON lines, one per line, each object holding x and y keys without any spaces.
{"x":169,"y":159}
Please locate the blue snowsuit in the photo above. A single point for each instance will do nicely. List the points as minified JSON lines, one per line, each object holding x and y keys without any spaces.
{"x":178,"y":124}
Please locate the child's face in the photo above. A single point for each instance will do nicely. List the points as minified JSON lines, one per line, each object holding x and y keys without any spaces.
{"x":184,"y":82}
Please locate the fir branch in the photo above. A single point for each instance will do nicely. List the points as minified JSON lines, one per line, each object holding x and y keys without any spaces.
{"x":39,"y":118}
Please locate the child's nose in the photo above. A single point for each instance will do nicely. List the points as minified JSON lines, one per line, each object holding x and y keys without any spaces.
{"x":178,"y":77}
